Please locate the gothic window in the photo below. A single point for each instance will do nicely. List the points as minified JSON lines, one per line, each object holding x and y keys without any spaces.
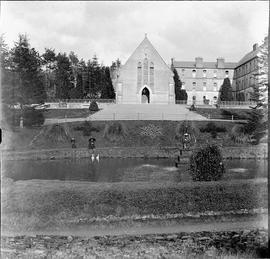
{"x":139,"y":74}
{"x":145,"y":72}
{"x":152,"y":74}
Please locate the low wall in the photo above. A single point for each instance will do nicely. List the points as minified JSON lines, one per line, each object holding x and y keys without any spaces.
{"x":254,"y":152}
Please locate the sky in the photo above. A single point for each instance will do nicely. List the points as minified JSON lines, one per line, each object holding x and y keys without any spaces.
{"x":181,"y":30}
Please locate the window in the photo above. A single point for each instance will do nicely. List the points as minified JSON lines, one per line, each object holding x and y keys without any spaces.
{"x":215,"y":73}
{"x":226,"y":73}
{"x":183,"y":85}
{"x":194,"y":84}
{"x":145,"y":72}
{"x":139,"y":75}
{"x":204,"y":86}
{"x":183,"y":70}
{"x":194,"y":73}
{"x":215,"y":86}
{"x":204,"y":73}
{"x":152,"y":74}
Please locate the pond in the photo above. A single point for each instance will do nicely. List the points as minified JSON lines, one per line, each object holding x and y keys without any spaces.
{"x":128,"y":169}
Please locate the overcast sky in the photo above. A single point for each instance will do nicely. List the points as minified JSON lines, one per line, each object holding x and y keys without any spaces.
{"x":111,"y":30}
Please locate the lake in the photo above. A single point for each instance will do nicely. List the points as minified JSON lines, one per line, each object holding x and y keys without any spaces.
{"x":126,"y":169}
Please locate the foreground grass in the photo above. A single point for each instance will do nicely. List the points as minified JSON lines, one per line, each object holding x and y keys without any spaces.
{"x":39,"y":204}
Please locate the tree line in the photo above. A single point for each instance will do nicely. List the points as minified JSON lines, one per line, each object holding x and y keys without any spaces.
{"x":29,"y":77}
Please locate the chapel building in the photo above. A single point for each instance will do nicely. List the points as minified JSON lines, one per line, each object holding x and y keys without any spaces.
{"x":145,"y":78}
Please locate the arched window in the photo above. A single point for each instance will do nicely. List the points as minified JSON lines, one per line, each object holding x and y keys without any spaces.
{"x":193,"y":73}
{"x":145,"y":71}
{"x":139,"y":74}
{"x":152,"y":74}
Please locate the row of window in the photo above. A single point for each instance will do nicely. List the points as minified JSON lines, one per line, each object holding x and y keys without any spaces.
{"x":244,"y":83}
{"x":204,"y":86}
{"x":204,"y":73}
{"x":246,"y":68}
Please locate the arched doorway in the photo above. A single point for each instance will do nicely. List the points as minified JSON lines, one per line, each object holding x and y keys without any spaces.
{"x":145,"y":98}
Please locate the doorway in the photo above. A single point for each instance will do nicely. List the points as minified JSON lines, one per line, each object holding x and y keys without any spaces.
{"x":145,"y":95}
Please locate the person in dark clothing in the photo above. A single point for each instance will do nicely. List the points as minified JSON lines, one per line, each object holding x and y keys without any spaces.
{"x":73,"y":144}
{"x":91,"y":143}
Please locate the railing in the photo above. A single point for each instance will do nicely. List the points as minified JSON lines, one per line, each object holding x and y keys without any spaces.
{"x":80,"y":100}
{"x":181,"y":102}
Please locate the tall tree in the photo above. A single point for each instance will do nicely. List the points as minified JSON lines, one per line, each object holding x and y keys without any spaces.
{"x":180,"y":94}
{"x":107,"y":89}
{"x":257,"y":124}
{"x":63,"y":76}
{"x":49,"y":65}
{"x":226,"y":91}
{"x":27,"y":67}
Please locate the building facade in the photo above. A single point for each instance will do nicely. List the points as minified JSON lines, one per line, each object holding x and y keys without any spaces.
{"x":245,"y":77}
{"x":144,"y":78}
{"x":202,"y":80}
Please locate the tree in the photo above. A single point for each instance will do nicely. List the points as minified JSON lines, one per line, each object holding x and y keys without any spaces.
{"x":257,"y":125}
{"x":180,"y":94}
{"x":63,"y":75}
{"x":8,"y":77}
{"x":226,"y":91}
{"x":49,"y":63}
{"x":107,"y":89}
{"x":27,"y":67}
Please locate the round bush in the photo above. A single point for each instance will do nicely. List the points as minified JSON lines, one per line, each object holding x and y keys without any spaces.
{"x":93,"y":106}
{"x":206,"y":164}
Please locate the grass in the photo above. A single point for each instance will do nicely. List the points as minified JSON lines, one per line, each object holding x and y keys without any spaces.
{"x":37,"y":204}
{"x":134,"y":137}
{"x":67,"y":113}
{"x":226,"y":114}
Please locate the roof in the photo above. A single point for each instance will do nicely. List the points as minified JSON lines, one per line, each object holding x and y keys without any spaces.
{"x":251,"y":55}
{"x":192,"y":64}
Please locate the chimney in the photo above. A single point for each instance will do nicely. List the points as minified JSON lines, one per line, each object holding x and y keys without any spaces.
{"x":199,"y":62}
{"x":220,"y":63}
{"x":255,"y":46}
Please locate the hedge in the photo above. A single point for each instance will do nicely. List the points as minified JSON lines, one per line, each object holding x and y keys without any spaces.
{"x":121,"y":199}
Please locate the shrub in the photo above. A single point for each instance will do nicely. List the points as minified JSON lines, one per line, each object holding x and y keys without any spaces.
{"x":192,"y":108}
{"x":93,"y":106}
{"x":213,"y":129}
{"x":32,"y":117}
{"x":239,"y":135}
{"x":206,"y":164}
{"x":115,"y":131}
{"x":87,"y":128}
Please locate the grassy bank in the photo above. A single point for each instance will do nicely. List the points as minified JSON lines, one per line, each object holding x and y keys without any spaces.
{"x":137,"y":134}
{"x":37,"y":204}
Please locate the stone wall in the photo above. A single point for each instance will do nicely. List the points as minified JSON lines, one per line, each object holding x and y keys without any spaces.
{"x":253,"y":152}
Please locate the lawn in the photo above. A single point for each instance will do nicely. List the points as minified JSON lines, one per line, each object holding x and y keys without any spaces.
{"x":38,"y":204}
{"x":67,"y":113}
{"x":137,"y":133}
{"x":226,"y":114}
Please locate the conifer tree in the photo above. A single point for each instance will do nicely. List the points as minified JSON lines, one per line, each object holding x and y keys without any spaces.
{"x":27,"y":67}
{"x":226,"y":91}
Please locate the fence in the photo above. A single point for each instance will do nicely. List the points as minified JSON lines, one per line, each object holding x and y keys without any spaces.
{"x":80,"y":100}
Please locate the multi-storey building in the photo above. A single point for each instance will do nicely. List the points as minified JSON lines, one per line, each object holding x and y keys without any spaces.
{"x":202,"y":80}
{"x":244,"y":77}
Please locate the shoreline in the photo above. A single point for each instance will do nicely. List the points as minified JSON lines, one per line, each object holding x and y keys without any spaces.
{"x":251,"y":152}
